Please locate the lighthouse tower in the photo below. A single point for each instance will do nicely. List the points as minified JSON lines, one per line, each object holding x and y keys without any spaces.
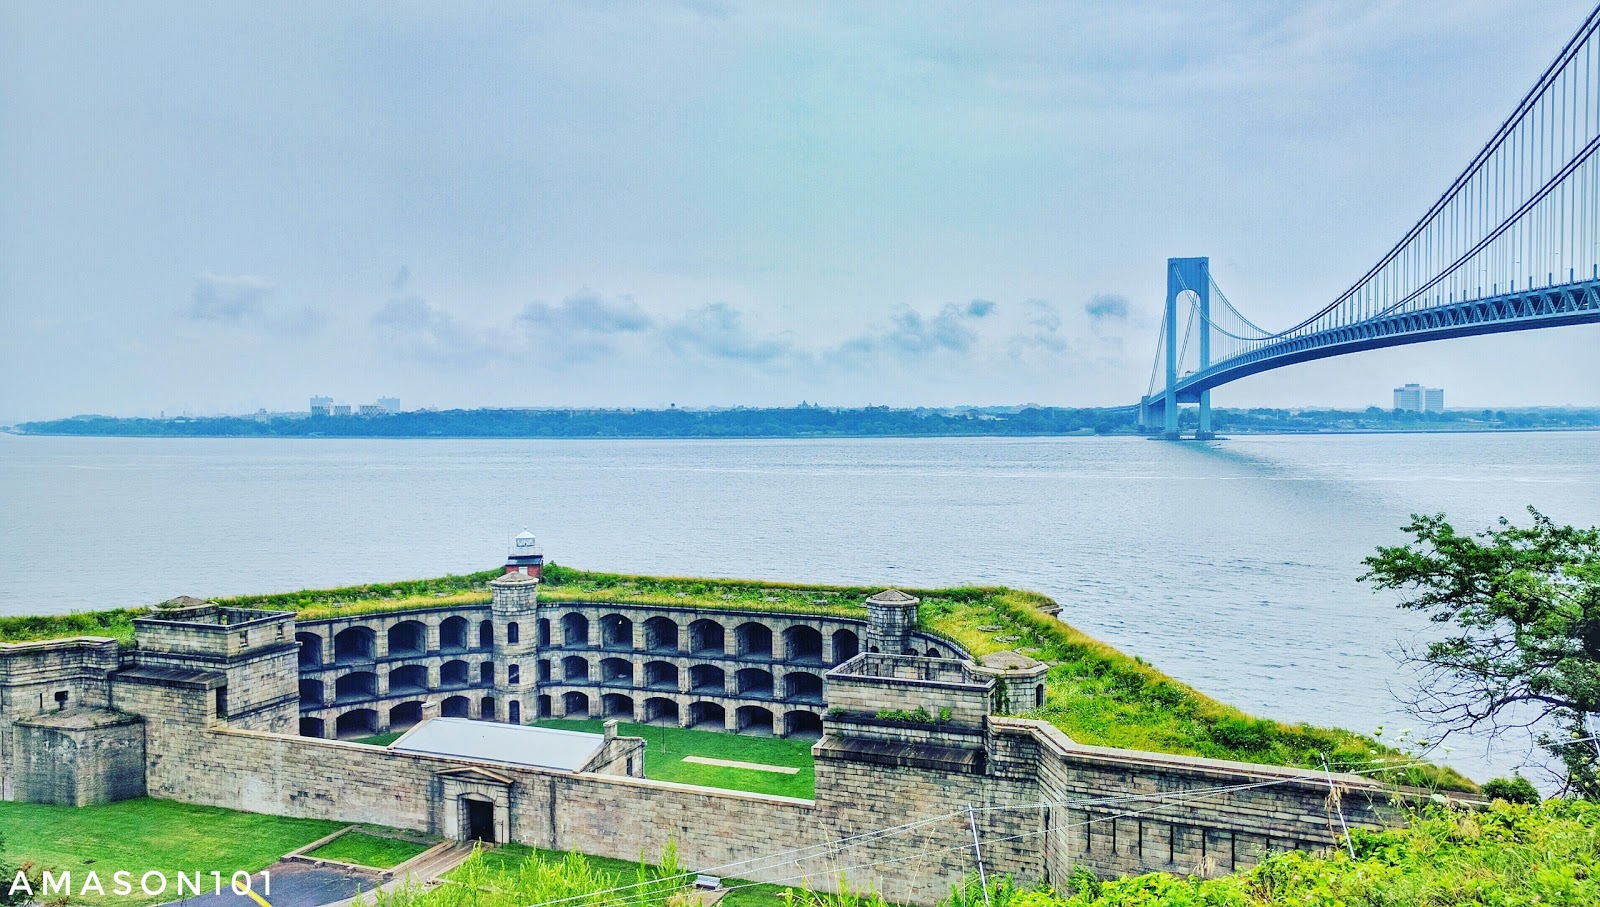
{"x":525,"y":556}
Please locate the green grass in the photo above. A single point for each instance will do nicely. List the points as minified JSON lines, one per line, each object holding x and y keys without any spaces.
{"x":666,"y":747}
{"x":379,"y":739}
{"x":117,"y":623}
{"x":141,"y":835}
{"x":509,"y":858}
{"x":364,"y":849}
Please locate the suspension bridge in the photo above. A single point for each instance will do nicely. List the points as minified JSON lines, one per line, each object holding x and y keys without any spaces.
{"x":1512,"y":245}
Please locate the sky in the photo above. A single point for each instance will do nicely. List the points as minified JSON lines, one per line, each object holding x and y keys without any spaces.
{"x":224,"y":207}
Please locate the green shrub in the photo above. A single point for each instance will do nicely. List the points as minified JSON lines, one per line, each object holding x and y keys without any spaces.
{"x":1515,"y":789}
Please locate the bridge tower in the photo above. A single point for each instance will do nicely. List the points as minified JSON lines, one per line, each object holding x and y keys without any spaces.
{"x":1191,"y":275}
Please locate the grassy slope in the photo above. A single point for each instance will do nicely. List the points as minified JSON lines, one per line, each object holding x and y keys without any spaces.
{"x":172,"y":837}
{"x":1098,"y":695}
{"x":510,"y":857}
{"x":363,"y":849}
{"x":663,"y":759}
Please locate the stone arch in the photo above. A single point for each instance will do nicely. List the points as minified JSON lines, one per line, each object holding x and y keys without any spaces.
{"x":456,"y":707}
{"x":575,"y":704}
{"x":616,"y":632}
{"x":408,"y":679}
{"x":660,"y":675}
{"x":575,"y":669}
{"x":355,"y":685}
{"x":408,"y":637}
{"x":488,"y":709}
{"x":910,"y":650}
{"x":753,"y":719}
{"x":485,"y":634}
{"x":354,"y":644}
{"x":660,"y":710}
{"x":574,"y":630}
{"x":803,"y":724}
{"x":616,"y":705}
{"x":707,"y":679}
{"x":802,"y":686}
{"x":661,"y":634}
{"x":846,"y":645}
{"x":754,"y":682}
{"x":513,"y":634}
{"x":616,"y":671}
{"x":802,"y":645}
{"x":356,"y":723}
{"x":311,"y":694}
{"x":454,"y":673}
{"x":405,"y":715}
{"x":453,"y":634}
{"x":544,"y":631}
{"x":513,"y":673}
{"x":708,"y":716}
{"x":544,"y":705}
{"x":753,"y":640}
{"x":1038,"y":696}
{"x":707,"y":636}
{"x":486,"y":673}
{"x":514,"y":711}
{"x":310,"y":649}
{"x":933,"y":652}
{"x":312,"y":727}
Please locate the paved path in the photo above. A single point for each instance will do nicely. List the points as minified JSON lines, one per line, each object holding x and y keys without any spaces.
{"x":293,"y":885}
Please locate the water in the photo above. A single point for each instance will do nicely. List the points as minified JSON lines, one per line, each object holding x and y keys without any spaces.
{"x":1231,"y":565}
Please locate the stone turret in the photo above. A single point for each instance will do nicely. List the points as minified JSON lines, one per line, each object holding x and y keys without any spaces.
{"x":891,"y":618}
{"x":1019,"y":681}
{"x":514,"y":600}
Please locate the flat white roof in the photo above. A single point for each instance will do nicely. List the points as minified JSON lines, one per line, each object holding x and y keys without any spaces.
{"x":508,"y":744}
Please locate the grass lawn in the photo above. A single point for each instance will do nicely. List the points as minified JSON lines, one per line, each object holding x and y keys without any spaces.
{"x":665,"y":748}
{"x":508,"y":857}
{"x":143,"y":835}
{"x":379,"y":739}
{"x":363,"y":849}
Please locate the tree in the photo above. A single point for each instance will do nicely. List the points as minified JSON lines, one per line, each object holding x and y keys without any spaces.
{"x":1523,"y":650}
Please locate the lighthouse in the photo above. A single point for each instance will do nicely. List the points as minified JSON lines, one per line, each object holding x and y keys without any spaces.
{"x":525,"y":556}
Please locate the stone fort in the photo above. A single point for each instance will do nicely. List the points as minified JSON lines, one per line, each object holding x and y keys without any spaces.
{"x":251,"y":709}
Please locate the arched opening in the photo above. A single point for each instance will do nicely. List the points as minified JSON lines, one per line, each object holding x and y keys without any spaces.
{"x":1038,"y":696}
{"x":574,"y":630}
{"x":753,"y":640}
{"x":707,"y":679}
{"x":456,"y":707}
{"x":616,"y":705}
{"x":873,"y":649}
{"x":356,"y":685}
{"x":544,"y":706}
{"x":405,"y":715}
{"x":802,"y":724}
{"x":708,"y":716}
{"x":486,"y":634}
{"x":486,"y":674}
{"x":575,"y":669}
{"x":453,"y":634}
{"x":514,"y":711}
{"x":908,"y":650}
{"x":707,"y":637}
{"x":616,"y":632}
{"x":575,"y":704}
{"x":311,"y":694}
{"x":616,"y":671}
{"x":487,"y":709}
{"x":802,"y":645}
{"x":846,"y":645}
{"x":513,"y":634}
{"x":801,"y":686}
{"x":661,"y":634}
{"x":311,"y":727}
{"x":353,"y":644}
{"x":754,"y":682}
{"x":408,"y":637}
{"x":356,"y":723}
{"x":477,"y":819}
{"x":753,"y":720}
{"x":933,"y":653}
{"x":513,"y":673}
{"x":454,"y":674}
{"x":660,"y":710}
{"x":544,"y":631}
{"x":660,"y":675}
{"x":544,"y":670}
{"x":408,"y":679}
{"x":310,"y":649}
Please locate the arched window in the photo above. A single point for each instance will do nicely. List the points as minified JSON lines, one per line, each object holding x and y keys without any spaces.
{"x":514,"y":712}
{"x":513,"y":675}
{"x":486,"y":634}
{"x":513,"y":633}
{"x":486,"y":673}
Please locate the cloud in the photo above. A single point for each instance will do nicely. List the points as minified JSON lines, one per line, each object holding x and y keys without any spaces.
{"x":719,"y":331}
{"x":913,"y":335}
{"x":423,"y":331}
{"x":1107,"y":307}
{"x":588,"y":312}
{"x":246,"y":302}
{"x":1041,"y":330}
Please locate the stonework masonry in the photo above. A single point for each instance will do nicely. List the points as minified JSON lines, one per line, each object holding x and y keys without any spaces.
{"x":238,"y":708}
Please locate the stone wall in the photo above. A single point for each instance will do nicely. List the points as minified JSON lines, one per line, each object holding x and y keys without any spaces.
{"x":80,"y":756}
{"x":41,"y":677}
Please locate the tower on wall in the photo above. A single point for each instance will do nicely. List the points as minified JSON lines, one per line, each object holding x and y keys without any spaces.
{"x":513,"y":611}
{"x":891,"y":617}
{"x":525,"y":556}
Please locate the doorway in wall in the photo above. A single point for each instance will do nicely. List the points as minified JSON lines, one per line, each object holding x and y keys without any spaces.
{"x":480,"y":820}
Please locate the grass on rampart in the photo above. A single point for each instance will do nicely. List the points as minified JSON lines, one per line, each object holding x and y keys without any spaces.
{"x":1097,"y":694}
{"x":363,"y":849}
{"x":117,"y":623}
{"x":143,"y":835}
{"x":510,"y":869}
{"x":666,"y":746}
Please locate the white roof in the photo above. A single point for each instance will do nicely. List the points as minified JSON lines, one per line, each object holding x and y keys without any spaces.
{"x":507,"y":744}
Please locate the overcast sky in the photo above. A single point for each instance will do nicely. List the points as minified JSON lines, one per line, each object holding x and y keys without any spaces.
{"x":218,"y":207}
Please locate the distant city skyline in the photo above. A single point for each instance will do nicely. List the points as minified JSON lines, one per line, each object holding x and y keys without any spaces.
{"x":211,"y":208}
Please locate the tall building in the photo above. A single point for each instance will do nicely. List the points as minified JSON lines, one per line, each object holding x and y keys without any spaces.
{"x":321,"y":406}
{"x":1408,"y":398}
{"x":1433,"y":399}
{"x":389,"y":404}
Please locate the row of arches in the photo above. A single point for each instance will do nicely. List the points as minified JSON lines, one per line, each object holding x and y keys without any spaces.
{"x":745,"y":719}
{"x":752,"y":639}
{"x":802,"y":686}
{"x":403,"y":680}
{"x":408,"y":637}
{"x":365,"y":722}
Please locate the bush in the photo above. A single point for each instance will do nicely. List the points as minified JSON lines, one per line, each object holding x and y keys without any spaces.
{"x":1515,"y":789}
